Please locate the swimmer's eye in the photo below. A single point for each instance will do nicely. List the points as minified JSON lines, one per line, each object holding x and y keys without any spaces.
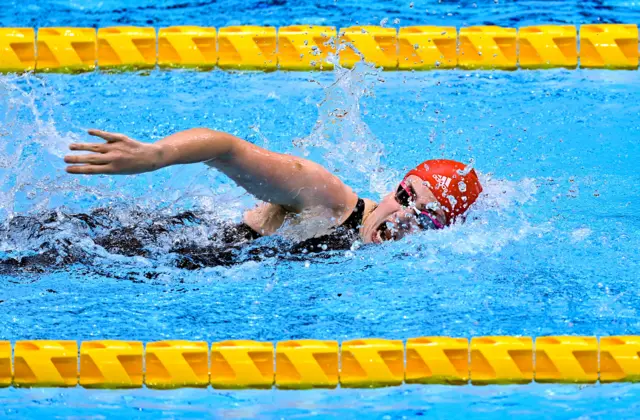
{"x":427,"y":218}
{"x":405,"y":194}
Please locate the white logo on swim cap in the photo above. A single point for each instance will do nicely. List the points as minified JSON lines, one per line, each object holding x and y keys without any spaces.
{"x":442,"y":182}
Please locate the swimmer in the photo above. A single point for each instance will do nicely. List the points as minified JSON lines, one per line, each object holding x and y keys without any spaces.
{"x":434,"y":195}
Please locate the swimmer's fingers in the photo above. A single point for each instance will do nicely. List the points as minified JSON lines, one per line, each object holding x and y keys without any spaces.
{"x":92,"y":158}
{"x":109,"y":137}
{"x":90,"y":169}
{"x":89,"y":147}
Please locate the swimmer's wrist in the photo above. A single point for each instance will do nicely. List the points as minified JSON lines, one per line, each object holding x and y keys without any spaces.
{"x":161,"y":155}
{"x":192,"y":146}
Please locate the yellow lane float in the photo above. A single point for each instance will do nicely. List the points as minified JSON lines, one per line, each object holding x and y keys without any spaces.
{"x":247,"y":48}
{"x":66,"y":49}
{"x":427,"y":47}
{"x":237,"y":364}
{"x":548,"y":46}
{"x":372,"y":44}
{"x":127,"y":48}
{"x":17,"y":50}
{"x":187,"y":47}
{"x":613,"y":46}
{"x":437,"y":360}
{"x":302,"y":47}
{"x":488,"y":47}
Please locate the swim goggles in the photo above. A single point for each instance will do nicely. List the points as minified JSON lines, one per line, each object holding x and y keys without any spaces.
{"x":406,"y":197}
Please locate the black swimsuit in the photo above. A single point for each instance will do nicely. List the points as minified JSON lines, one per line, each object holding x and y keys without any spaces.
{"x":237,"y":237}
{"x":147,"y":237}
{"x":237,"y":246}
{"x":342,"y":237}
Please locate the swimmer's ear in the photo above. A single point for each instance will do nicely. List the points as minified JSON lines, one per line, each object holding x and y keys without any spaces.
{"x":109,"y":137}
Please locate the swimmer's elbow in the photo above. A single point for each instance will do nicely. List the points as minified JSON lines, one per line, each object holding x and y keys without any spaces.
{"x":218,"y":144}
{"x":196,"y":145}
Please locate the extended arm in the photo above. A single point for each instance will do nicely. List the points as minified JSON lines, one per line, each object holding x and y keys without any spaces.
{"x":289,"y":181}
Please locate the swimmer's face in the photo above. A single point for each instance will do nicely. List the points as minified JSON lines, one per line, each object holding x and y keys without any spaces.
{"x":394,"y":218}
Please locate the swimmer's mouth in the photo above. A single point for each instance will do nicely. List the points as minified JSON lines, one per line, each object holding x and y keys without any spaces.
{"x":383,"y":233}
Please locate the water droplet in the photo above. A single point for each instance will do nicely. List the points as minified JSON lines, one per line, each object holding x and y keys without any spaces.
{"x":452,"y":200}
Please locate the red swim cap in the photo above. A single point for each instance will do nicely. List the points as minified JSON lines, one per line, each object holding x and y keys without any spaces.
{"x":455,"y":187}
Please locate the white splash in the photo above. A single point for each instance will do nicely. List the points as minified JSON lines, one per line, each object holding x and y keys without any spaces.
{"x":30,"y":146}
{"x":340,"y":139}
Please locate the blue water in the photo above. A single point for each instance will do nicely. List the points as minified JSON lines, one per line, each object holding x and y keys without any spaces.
{"x":551,"y":248}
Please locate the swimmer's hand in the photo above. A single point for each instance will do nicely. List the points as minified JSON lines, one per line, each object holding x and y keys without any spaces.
{"x":120,"y":155}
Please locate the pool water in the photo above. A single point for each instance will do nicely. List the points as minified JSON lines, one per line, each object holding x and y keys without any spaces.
{"x":550,"y":248}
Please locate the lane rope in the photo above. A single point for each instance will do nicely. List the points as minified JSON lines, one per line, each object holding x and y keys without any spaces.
{"x":305,"y":48}
{"x":306,"y":364}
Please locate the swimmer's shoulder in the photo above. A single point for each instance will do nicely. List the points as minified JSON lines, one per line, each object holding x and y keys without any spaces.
{"x":369,"y":205}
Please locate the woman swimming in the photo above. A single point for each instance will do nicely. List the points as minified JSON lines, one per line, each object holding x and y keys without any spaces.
{"x":435,"y":194}
{"x":325,"y":213}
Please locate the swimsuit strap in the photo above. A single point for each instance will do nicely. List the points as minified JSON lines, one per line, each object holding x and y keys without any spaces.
{"x":354,"y":220}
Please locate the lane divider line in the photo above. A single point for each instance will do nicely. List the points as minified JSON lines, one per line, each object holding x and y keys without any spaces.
{"x":306,"y":48}
{"x":308,"y":364}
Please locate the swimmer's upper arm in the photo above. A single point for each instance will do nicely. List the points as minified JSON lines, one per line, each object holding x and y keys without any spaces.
{"x":289,"y":181}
